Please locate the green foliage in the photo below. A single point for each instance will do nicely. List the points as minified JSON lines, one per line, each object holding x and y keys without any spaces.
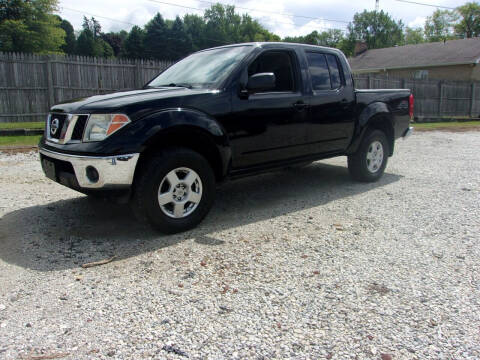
{"x":440,"y":26}
{"x":30,"y":26}
{"x":413,"y":36}
{"x":330,"y":38}
{"x":222,"y":23}
{"x":469,"y":24}
{"x":116,"y":41}
{"x":70,"y":41}
{"x":183,"y":44}
{"x":195,"y":30}
{"x":376,"y":29}
{"x":252,"y":30}
{"x":134,"y":43}
{"x":90,"y":42}
{"x":156,"y":36}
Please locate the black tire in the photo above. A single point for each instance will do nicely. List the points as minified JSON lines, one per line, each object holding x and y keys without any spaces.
{"x":145,"y":202}
{"x":358,"y":164}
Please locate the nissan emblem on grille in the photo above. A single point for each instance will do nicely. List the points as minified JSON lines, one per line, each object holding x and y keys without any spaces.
{"x":54,"y":126}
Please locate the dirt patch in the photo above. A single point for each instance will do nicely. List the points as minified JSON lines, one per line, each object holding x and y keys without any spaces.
{"x":17,"y":149}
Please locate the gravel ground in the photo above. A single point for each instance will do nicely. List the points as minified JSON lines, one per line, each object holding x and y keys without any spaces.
{"x":295,"y":264}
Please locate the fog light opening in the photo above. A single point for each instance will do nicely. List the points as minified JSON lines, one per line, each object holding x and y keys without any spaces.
{"x":92,"y":174}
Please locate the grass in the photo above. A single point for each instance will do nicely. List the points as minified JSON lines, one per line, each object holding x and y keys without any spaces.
{"x":30,"y":140}
{"x":23,"y":125}
{"x":462,"y":125}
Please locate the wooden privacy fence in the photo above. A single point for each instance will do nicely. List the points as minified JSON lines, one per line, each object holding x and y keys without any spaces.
{"x":434,"y":99}
{"x":30,"y":83}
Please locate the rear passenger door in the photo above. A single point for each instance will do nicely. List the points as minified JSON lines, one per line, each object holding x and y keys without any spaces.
{"x":331,"y":112}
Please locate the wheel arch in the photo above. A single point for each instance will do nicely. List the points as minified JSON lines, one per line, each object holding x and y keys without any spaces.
{"x":190,"y":129}
{"x":374,"y":116}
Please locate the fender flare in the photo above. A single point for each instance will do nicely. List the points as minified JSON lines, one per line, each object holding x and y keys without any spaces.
{"x":160,"y":124}
{"x":378,"y":113}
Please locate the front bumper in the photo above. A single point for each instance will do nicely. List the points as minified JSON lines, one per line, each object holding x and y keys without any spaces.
{"x":89,"y":172}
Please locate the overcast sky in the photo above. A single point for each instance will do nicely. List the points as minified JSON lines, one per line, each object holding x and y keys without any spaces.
{"x":275,"y":15}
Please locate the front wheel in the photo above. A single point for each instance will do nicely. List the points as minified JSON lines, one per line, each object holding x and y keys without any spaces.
{"x":370,"y":160}
{"x":175,"y":190}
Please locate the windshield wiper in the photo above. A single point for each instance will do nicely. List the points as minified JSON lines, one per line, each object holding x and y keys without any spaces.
{"x":188,"y":86}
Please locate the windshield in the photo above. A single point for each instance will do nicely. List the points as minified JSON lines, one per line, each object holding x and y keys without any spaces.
{"x":202,"y":69}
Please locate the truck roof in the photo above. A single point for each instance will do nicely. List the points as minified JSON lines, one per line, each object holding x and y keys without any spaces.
{"x":266,"y":44}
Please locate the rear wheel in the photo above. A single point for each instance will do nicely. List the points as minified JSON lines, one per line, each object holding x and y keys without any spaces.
{"x":369,"y":162}
{"x":174,"y":190}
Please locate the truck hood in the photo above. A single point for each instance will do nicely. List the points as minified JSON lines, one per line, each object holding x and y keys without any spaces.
{"x":128,"y":101}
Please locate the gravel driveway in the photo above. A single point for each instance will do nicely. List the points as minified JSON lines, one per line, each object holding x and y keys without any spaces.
{"x":294,"y":264}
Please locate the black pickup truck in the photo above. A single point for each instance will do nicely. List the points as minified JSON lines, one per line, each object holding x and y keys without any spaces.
{"x":221,"y":113}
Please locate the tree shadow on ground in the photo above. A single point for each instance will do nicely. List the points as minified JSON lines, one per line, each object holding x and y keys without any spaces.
{"x":67,"y":233}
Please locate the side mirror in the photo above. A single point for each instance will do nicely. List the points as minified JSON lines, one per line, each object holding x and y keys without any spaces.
{"x":261,"y":82}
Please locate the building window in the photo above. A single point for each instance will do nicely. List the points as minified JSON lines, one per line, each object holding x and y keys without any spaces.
{"x":420,"y":75}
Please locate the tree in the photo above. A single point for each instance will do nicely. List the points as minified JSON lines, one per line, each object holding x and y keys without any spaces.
{"x":469,"y":22}
{"x":222,"y":25}
{"x":116,"y":41}
{"x":413,"y":36}
{"x":30,"y":26}
{"x":156,"y":34}
{"x":440,"y":26}
{"x":107,"y":50}
{"x":86,"y":44}
{"x":70,"y":42}
{"x":376,"y":29}
{"x":180,"y":43}
{"x":330,"y":38}
{"x":134,"y":43}
{"x":90,"y":43}
{"x":195,"y":29}
{"x":252,"y":30}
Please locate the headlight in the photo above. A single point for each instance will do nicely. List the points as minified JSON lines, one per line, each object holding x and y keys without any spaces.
{"x":100,"y":126}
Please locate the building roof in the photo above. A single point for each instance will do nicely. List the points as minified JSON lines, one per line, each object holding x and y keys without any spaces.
{"x":451,"y":52}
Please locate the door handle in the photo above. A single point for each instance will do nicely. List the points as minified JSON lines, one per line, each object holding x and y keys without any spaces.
{"x":300,"y":105}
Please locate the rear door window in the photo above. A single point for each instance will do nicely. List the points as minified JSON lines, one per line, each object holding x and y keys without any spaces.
{"x":325,"y":71}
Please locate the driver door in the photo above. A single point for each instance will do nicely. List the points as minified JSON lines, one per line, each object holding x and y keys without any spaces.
{"x":269,"y":125}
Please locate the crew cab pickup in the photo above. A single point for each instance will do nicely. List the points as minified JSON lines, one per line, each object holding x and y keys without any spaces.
{"x":221,"y":113}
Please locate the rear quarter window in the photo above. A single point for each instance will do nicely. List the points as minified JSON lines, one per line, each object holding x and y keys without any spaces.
{"x":335,"y":77}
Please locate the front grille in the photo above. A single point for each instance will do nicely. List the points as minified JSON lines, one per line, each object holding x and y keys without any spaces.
{"x":77,"y":133}
{"x":56,"y":125}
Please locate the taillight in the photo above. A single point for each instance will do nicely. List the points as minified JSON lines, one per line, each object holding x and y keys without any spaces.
{"x":411,"y":101}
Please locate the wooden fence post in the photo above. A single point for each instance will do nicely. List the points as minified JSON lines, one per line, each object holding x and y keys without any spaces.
{"x":138,"y":74}
{"x":472,"y":101}
{"x":51,"y":90}
{"x":440,"y":102}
